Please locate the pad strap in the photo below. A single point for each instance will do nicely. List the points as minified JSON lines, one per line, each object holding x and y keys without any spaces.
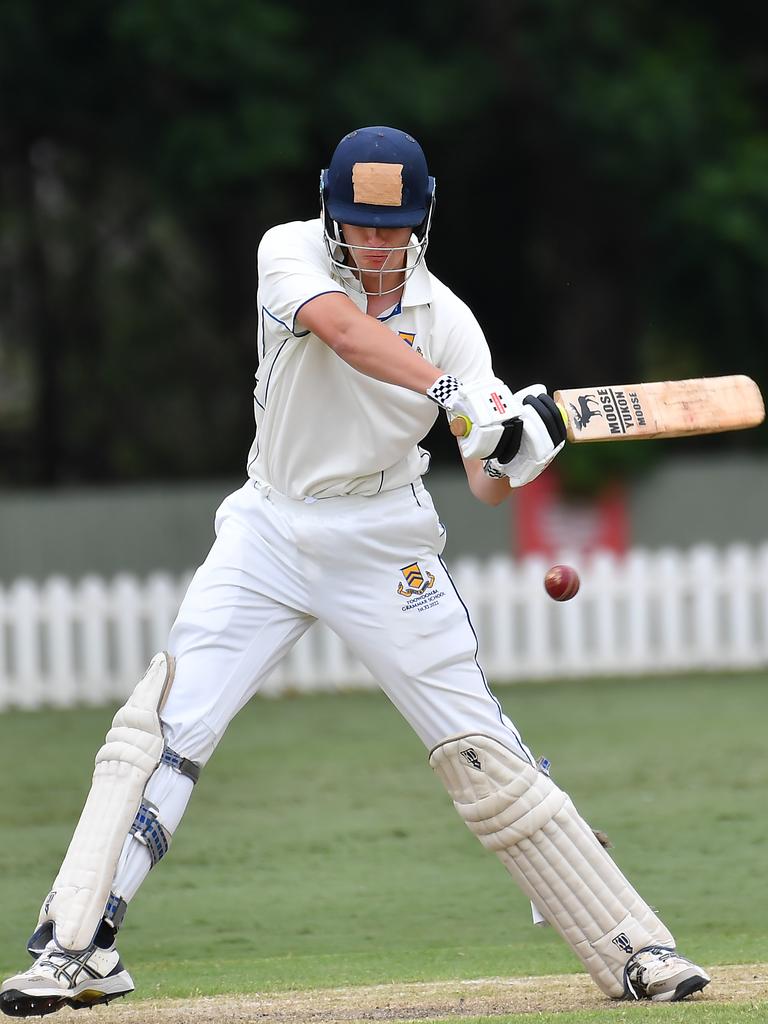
{"x":182,"y":765}
{"x":115,"y":910}
{"x":148,"y":830}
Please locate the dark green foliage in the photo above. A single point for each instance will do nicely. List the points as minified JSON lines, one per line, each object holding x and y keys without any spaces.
{"x":602,"y":202}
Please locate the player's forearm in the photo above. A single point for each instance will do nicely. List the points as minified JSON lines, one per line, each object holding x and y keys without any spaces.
{"x":375,"y":351}
{"x":366,"y":344}
{"x":489,"y":490}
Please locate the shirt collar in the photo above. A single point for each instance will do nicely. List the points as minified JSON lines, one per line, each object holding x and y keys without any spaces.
{"x":418,"y":288}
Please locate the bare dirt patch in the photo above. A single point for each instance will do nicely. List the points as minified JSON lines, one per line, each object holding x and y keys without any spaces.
{"x":411,"y":1002}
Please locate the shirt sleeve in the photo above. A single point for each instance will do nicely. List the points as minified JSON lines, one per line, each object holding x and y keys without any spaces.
{"x":293,"y":268}
{"x":460,"y":346}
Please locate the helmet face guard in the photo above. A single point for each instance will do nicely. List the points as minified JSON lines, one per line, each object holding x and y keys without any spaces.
{"x":377,"y":178}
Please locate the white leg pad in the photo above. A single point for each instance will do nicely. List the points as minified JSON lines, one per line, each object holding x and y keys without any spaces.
{"x":518,"y":812}
{"x":129,"y":756}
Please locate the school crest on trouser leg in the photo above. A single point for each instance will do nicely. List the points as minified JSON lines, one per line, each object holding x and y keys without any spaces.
{"x":417,"y":581}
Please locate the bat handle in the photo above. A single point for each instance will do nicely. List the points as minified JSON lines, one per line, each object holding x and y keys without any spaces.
{"x":461,"y":425}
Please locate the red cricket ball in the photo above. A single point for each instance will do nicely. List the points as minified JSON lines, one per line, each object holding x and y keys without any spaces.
{"x":561,"y":582}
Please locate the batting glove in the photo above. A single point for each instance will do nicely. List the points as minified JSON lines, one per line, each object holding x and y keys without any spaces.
{"x":491,"y":412}
{"x":542,"y":436}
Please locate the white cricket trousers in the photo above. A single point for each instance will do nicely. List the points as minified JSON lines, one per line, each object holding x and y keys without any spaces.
{"x":368,"y":567}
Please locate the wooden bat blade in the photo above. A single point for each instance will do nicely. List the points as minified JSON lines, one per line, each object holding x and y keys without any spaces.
{"x":669,"y":408}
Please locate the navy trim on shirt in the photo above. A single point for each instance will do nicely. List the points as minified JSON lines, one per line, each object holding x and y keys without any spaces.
{"x":282,"y":322}
{"x":302,"y":334}
{"x":395,"y":312}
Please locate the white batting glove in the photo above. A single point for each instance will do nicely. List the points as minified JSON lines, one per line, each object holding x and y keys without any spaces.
{"x":490,"y":408}
{"x":542,"y":437}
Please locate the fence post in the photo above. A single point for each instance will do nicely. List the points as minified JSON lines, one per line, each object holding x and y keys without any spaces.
{"x":637,"y":654}
{"x":131,"y":656}
{"x":670,"y":575}
{"x":162,"y":606}
{"x":94,"y":610}
{"x":705,"y":590}
{"x":540,"y":659}
{"x":739,"y":594}
{"x":498,"y":651}
{"x":761,"y":576}
{"x":27,"y":689}
{"x":572,"y":625}
{"x":5,"y":667}
{"x":603,"y":590}
{"x":58,"y":609}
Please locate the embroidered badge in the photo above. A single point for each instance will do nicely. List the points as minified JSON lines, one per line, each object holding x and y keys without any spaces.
{"x":416,"y":580}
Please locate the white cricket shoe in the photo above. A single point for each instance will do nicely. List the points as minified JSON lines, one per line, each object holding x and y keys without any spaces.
{"x":59,"y":978}
{"x":661,"y":974}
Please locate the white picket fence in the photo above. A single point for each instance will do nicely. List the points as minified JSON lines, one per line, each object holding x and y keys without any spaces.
{"x":64,"y":643}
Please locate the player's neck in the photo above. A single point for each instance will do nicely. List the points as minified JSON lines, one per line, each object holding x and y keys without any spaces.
{"x":378,"y":304}
{"x":383,"y":290}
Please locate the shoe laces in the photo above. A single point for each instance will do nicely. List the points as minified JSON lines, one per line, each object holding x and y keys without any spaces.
{"x":62,"y":965}
{"x":640,"y":965}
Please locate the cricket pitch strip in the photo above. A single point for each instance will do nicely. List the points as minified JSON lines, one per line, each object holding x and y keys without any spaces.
{"x":414,"y":1001}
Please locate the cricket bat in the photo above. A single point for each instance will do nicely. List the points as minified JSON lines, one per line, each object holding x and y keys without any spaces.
{"x":667,"y":408}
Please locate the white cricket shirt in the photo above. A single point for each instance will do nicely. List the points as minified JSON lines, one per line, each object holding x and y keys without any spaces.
{"x":322,"y":428}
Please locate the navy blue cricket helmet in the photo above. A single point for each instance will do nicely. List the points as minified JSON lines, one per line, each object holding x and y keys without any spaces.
{"x":378,"y":177}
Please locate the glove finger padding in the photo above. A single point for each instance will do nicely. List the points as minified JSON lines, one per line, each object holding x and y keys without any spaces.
{"x":509,"y":445}
{"x":536,"y":450}
{"x":551,"y":416}
{"x":542,"y":437}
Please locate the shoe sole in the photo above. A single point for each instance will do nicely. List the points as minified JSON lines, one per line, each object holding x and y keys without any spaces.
{"x":695,"y":983}
{"x":688,"y":987}
{"x":20,"y":1004}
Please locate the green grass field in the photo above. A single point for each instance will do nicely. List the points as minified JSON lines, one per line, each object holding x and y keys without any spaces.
{"x":320,"y":851}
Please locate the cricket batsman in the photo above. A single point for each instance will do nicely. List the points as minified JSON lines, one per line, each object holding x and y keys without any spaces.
{"x":359,"y":349}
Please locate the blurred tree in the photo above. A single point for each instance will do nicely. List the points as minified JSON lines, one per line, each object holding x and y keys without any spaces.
{"x":671,"y":130}
{"x":121,"y":126}
{"x":643,"y":127}
{"x":602,"y":197}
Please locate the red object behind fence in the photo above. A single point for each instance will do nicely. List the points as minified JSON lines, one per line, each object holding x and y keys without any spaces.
{"x":546,"y":523}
